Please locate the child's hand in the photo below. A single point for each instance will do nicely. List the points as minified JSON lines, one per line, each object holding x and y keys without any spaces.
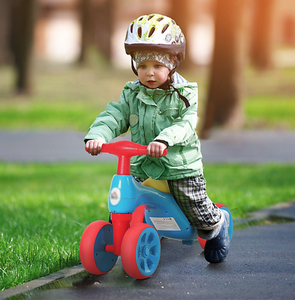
{"x":155,"y":149}
{"x":93,"y":147}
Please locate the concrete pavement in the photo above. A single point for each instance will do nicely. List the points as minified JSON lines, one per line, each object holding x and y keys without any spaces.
{"x":224,"y":146}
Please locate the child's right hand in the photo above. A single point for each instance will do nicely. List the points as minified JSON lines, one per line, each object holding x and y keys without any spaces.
{"x":93,"y":147}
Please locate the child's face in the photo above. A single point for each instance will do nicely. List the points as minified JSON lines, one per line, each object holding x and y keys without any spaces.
{"x":152,"y":73}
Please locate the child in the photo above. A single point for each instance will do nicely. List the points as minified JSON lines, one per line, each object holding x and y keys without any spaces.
{"x":160,"y":108}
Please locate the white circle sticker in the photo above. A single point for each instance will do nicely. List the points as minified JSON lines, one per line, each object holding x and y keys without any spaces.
{"x":115,"y":196}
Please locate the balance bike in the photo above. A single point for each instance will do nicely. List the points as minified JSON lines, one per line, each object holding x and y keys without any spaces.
{"x":140,"y":215}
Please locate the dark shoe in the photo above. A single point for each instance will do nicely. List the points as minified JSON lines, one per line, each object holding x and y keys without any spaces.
{"x":216,"y":250}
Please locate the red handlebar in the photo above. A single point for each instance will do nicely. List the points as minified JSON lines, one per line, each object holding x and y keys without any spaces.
{"x":125,"y":150}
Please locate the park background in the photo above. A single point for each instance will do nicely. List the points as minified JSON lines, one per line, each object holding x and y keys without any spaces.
{"x":62,"y":61}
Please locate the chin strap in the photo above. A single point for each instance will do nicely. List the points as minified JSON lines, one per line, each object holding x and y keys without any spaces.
{"x":132,"y":67}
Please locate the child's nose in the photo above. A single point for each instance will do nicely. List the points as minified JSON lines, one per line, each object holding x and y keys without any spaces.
{"x":150,"y":71}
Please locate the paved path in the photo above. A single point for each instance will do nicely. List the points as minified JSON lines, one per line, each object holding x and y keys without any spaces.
{"x":223,"y":146}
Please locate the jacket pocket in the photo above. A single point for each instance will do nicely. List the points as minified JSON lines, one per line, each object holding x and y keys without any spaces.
{"x":182,"y":156}
{"x":153,"y":167}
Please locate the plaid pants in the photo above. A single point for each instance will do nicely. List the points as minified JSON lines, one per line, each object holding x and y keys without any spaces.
{"x":191,"y":196}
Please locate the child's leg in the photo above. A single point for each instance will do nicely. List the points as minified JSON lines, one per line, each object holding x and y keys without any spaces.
{"x":191,"y":196}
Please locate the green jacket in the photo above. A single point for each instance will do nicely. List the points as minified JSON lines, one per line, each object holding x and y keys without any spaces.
{"x":155,"y":114}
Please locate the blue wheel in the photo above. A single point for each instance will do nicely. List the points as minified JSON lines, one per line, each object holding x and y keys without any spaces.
{"x":141,"y":250}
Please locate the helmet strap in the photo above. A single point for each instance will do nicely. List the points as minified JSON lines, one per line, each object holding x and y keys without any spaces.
{"x":132,"y":67}
{"x":176,"y":61}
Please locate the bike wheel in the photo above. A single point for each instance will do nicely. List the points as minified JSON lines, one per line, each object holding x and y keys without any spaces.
{"x":202,"y":242}
{"x":141,"y":250}
{"x":93,"y":255}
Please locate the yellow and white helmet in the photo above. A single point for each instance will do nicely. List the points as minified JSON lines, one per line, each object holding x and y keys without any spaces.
{"x":157,"y":33}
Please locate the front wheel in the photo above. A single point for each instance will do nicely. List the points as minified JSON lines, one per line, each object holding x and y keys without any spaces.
{"x":202,"y":242}
{"x":94,"y":258}
{"x":141,"y":250}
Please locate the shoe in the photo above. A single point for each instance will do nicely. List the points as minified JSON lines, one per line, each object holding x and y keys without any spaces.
{"x":216,"y":250}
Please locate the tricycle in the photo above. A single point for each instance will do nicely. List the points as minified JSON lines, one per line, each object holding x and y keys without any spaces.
{"x":140,"y":216}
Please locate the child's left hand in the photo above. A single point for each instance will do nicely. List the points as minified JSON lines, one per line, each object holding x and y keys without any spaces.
{"x":155,"y":149}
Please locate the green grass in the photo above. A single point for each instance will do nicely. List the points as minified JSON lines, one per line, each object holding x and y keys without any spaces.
{"x":270,"y":99}
{"x":271,"y":112}
{"x":70,"y":97}
{"x":46,"y":207}
{"x":65,"y":97}
{"x":44,"y":210}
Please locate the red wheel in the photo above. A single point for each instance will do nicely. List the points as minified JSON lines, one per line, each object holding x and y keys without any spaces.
{"x":202,"y":242}
{"x":140,"y":252}
{"x":93,"y":256}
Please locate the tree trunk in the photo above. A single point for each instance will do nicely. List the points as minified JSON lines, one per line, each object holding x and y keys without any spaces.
{"x":4,"y":32}
{"x":224,"y":102}
{"x":87,"y":16}
{"x":263,"y":34}
{"x":22,"y":36}
{"x":104,"y":28}
{"x":180,"y":11}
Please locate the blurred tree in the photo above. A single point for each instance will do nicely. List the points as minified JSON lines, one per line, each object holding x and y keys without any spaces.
{"x":97,"y":27}
{"x":4,"y":32}
{"x":105,"y":24}
{"x":180,"y":11}
{"x":22,"y":35}
{"x":224,"y":100}
{"x":263,"y":34}
{"x":87,"y":10}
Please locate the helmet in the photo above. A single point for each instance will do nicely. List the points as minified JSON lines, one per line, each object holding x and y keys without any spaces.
{"x":155,"y":32}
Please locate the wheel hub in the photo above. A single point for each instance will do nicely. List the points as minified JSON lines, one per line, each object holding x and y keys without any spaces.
{"x":145,"y":251}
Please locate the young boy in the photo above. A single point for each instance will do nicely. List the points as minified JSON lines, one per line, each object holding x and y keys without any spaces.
{"x":160,"y":108}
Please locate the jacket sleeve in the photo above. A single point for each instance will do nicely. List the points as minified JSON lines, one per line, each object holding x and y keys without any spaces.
{"x":183,"y":128}
{"x":112,"y":122}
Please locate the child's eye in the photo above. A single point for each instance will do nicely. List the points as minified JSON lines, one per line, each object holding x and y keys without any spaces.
{"x":158,"y":66}
{"x":142,"y":66}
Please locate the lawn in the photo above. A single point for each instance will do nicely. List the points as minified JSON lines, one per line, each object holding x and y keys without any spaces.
{"x":70,"y":97}
{"x":44,"y":210}
{"x":46,"y":207}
